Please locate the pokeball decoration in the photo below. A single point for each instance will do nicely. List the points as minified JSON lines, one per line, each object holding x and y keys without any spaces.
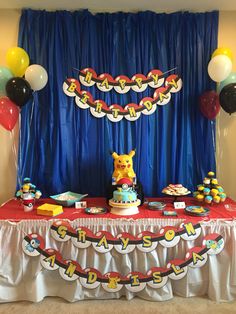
{"x":113,"y":284}
{"x":170,"y":238}
{"x":32,"y":244}
{"x":135,"y":281}
{"x":122,"y":84}
{"x":124,"y":246}
{"x":158,"y":280}
{"x":213,"y":244}
{"x":179,"y":269}
{"x":104,"y":241}
{"x":148,"y":244}
{"x":198,"y":255}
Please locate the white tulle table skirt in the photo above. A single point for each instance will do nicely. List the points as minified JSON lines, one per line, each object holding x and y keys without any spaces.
{"x":23,"y":278}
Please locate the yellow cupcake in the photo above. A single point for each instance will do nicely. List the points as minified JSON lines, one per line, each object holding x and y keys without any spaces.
{"x":214,"y":181}
{"x":216,"y":199}
{"x":200,"y":188}
{"x":211,"y":174}
{"x":214,"y":192}
{"x":200,"y":197}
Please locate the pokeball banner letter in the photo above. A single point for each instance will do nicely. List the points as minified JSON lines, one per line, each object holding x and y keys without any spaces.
{"x":91,"y":278}
{"x":124,"y":243}
{"x":122,"y":84}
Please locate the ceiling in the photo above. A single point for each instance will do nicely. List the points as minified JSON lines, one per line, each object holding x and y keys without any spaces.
{"x":123,"y":5}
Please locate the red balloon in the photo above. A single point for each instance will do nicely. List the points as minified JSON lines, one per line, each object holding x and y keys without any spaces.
{"x":209,"y":104}
{"x":9,"y":113}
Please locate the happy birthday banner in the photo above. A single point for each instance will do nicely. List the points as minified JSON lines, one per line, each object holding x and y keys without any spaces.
{"x":122,"y":84}
{"x":104,"y":241}
{"x":91,"y":278}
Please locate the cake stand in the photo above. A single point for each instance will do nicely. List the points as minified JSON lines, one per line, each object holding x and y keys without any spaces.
{"x":124,"y":209}
{"x":176,"y":197}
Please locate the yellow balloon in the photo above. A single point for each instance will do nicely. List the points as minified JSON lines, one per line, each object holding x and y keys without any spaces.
{"x":17,"y":60}
{"x":223,"y":51}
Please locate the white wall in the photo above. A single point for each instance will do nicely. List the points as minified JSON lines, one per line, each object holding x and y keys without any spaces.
{"x":226,"y":124}
{"x":9,"y":20}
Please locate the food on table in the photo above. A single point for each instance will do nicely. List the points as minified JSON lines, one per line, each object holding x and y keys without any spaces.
{"x":66,"y":197}
{"x":210,"y":191}
{"x":175,"y":190}
{"x":200,"y":197}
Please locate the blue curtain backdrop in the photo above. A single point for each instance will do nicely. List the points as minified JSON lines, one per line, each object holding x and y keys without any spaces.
{"x":63,"y":147}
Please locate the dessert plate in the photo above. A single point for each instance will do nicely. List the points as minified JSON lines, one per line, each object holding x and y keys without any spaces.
{"x":197,"y":211}
{"x":156,"y":205}
{"x":95,"y":210}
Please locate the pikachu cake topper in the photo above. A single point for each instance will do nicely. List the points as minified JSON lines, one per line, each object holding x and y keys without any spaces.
{"x":123,"y":167}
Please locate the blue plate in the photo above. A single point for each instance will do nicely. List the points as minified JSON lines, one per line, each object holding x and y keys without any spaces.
{"x":197,"y":210}
{"x":67,"y":199}
{"x":156,"y":205}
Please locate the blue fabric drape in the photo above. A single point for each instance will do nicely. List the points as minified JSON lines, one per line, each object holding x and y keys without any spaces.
{"x":64,"y":147}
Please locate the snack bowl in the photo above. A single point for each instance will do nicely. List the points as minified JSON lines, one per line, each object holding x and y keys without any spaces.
{"x":67,"y":199}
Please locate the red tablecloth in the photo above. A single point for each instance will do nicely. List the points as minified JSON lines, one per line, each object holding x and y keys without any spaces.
{"x":13,"y":210}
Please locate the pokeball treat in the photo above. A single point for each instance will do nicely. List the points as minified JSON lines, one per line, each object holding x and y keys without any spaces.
{"x":175,"y":190}
{"x":28,"y":194}
{"x":210,"y":191}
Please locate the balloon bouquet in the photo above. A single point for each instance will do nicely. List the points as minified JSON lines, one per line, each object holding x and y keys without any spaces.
{"x":15,"y":91}
{"x":219,"y":70}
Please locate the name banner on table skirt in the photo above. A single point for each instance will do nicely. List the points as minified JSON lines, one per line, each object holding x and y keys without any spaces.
{"x":124,"y":242}
{"x":91,"y":278}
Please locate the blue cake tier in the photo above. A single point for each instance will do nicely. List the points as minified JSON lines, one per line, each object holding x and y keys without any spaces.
{"x":124,"y":196}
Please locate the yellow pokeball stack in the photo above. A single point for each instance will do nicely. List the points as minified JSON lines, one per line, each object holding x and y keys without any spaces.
{"x":210,"y":191}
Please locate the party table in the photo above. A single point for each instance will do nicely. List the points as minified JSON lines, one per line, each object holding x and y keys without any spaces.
{"x":79,"y":256}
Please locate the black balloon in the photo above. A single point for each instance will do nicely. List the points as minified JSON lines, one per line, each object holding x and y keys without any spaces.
{"x":18,"y":90}
{"x":228,"y":98}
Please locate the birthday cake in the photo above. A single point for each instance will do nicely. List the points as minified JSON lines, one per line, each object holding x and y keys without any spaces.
{"x":124,"y":201}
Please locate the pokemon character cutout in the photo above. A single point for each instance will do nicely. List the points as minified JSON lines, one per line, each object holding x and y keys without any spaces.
{"x":123,"y":166}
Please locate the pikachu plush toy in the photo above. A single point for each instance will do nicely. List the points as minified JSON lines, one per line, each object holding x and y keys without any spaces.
{"x":123,"y":167}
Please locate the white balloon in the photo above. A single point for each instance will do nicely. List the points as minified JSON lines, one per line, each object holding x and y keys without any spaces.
{"x":219,"y":68}
{"x":36,"y":76}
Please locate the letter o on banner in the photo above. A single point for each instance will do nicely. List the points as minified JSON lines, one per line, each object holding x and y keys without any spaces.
{"x":170,"y":237}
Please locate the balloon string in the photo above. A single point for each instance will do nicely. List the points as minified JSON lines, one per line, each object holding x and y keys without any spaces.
{"x":14,"y":153}
{"x":31,"y":115}
{"x":20,"y":154}
{"x":213,"y":135}
{"x":170,"y":70}
{"x":163,"y":73}
{"x":219,"y":151}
